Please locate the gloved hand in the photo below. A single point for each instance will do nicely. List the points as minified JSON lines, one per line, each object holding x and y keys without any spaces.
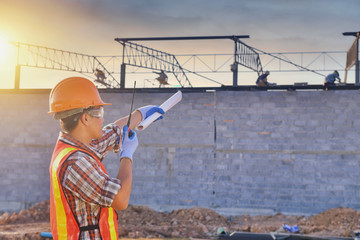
{"x":149,"y":110}
{"x":128,"y":144}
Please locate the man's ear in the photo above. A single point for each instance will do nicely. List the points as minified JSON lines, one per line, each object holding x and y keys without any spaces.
{"x":84,"y":119}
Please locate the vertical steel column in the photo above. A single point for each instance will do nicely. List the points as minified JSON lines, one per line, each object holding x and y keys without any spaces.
{"x":17,"y":76}
{"x":357,"y":80}
{"x":235,"y":68}
{"x":122,"y":75}
{"x":123,"y":69}
{"x":17,"y":68}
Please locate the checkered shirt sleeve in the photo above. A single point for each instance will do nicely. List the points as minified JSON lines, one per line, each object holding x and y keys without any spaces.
{"x":86,"y":180}
{"x":106,"y":143}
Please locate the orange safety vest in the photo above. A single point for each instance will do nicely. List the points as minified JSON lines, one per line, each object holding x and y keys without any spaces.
{"x":63,"y":222}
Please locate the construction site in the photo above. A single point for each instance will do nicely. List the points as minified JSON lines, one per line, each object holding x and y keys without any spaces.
{"x":229,"y":161}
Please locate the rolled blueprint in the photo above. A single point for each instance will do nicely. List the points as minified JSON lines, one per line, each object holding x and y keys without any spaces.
{"x":168,"y":104}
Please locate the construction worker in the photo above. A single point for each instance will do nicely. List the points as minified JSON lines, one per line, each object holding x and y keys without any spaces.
{"x":83,"y":197}
{"x":163,"y":78}
{"x":331,"y":79}
{"x":100,"y":75}
{"x":262,"y":80}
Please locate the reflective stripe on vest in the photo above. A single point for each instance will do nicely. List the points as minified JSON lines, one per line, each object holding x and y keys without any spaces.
{"x":58,"y":197}
{"x":60,"y":211}
{"x":113,"y":234}
{"x":64,"y":224}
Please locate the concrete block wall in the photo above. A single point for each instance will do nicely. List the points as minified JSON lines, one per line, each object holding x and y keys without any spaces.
{"x":256,"y":152}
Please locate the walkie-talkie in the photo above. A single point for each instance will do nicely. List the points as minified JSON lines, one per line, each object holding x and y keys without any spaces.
{"x":132,"y":103}
{"x":117,"y":143}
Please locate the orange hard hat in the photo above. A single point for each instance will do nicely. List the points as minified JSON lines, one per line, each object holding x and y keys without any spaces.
{"x":74,"y":92}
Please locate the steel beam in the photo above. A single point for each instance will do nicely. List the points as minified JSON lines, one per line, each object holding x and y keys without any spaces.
{"x":232,"y":37}
{"x":351,"y":33}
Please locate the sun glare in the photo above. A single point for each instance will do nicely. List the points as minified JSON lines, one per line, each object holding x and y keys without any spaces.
{"x":7,"y":62}
{"x":4,"y":47}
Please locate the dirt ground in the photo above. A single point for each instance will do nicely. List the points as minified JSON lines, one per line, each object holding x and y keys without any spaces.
{"x":143,"y":222}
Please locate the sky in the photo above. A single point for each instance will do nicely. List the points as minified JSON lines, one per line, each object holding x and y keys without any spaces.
{"x":90,"y":26}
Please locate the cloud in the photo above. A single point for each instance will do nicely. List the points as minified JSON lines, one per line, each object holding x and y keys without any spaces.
{"x":90,"y":26}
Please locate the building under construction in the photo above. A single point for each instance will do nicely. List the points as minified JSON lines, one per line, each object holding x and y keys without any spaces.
{"x":236,"y":149}
{"x":111,"y":71}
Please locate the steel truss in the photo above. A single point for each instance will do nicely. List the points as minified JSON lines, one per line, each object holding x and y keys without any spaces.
{"x":274,"y":62}
{"x":145,"y":57}
{"x":49,"y":58}
{"x":247,"y":57}
{"x":290,"y":62}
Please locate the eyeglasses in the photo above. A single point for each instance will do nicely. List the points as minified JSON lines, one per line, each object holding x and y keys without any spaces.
{"x":97,"y":113}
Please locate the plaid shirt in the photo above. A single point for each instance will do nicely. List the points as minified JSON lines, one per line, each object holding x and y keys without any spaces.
{"x":85,"y":185}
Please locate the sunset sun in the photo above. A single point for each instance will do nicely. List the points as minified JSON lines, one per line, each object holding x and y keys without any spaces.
{"x":4,"y":47}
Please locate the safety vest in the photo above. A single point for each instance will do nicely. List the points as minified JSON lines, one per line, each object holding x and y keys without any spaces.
{"x":62,"y":220}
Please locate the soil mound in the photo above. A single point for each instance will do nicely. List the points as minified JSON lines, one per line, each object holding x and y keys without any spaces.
{"x":144,"y":222}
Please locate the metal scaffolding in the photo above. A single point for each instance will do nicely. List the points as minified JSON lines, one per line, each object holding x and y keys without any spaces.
{"x":245,"y":59}
{"x":145,"y":57}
